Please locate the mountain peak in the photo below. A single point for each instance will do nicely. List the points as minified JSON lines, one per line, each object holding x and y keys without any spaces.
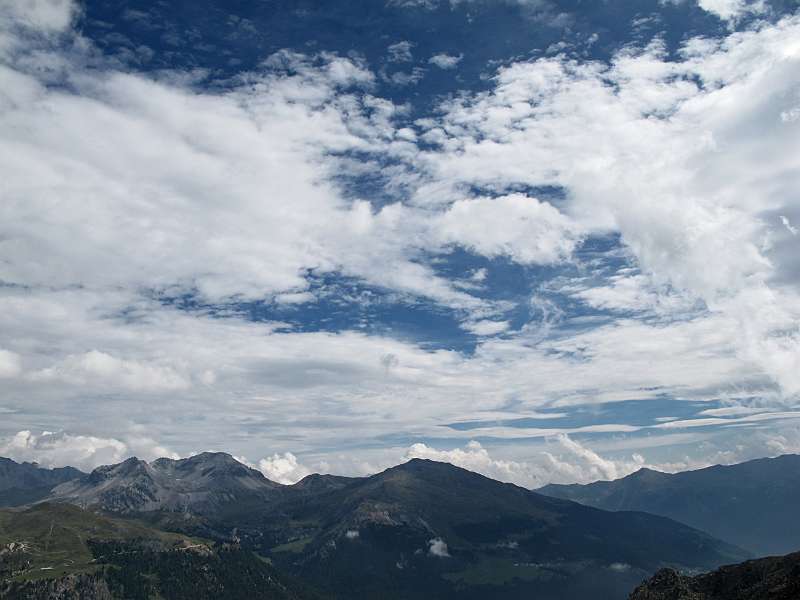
{"x":646,"y":472}
{"x":426,"y":465}
{"x":200,"y":484}
{"x":130,"y":467}
{"x":213,"y":457}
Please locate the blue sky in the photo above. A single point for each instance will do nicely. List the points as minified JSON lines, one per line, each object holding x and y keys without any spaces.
{"x":546,"y":240}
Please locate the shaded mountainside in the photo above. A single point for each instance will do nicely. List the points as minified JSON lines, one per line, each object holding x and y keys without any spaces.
{"x":752,"y":504}
{"x":58,"y":551}
{"x":23,"y":483}
{"x":773,"y":578}
{"x":431,"y":530}
{"x":419,"y":530}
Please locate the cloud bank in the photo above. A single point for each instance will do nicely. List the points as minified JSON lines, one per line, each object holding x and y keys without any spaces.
{"x":139,"y":262}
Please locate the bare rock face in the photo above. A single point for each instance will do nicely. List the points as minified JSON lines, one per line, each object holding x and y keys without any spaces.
{"x":201,"y":484}
{"x":773,"y":578}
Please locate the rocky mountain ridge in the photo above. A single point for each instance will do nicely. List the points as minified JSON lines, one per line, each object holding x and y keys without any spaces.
{"x":772,"y":578}
{"x":201,"y":484}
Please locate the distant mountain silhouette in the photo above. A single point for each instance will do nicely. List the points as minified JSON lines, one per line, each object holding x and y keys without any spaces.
{"x":751,"y":504}
{"x":773,"y":578}
{"x":23,"y":483}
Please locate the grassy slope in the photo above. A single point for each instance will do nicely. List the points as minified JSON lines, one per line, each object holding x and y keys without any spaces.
{"x":55,"y":536}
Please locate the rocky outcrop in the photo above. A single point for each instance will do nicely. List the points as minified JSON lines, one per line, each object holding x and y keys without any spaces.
{"x":773,"y":578}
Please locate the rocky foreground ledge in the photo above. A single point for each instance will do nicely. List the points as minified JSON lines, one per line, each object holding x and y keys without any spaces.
{"x":773,"y":578}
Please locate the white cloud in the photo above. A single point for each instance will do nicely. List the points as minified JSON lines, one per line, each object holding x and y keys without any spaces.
{"x":98,"y":368}
{"x":295,"y":298}
{"x":644,"y":151}
{"x":225,"y":195}
{"x":283,"y":468}
{"x":438,"y":547}
{"x":81,"y":451}
{"x":486,"y":327}
{"x":403,"y":78}
{"x":598,"y":467}
{"x":400,"y":52}
{"x":518,"y":226}
{"x":732,"y":9}
{"x":791,"y":115}
{"x":10,"y":364}
{"x":564,"y":461}
{"x":636,"y":292}
{"x":789,"y":227}
{"x":42,"y":15}
{"x":479,"y":274}
{"x":104,"y":213}
{"x":445,"y":61}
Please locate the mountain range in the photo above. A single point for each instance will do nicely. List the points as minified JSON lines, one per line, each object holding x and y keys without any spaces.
{"x":422,"y":529}
{"x":751,"y":504}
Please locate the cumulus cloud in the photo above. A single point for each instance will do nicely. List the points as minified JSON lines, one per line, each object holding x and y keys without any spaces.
{"x":283,"y":468}
{"x":245,"y":133}
{"x":486,"y":327}
{"x":84,"y":452}
{"x":731,"y":9}
{"x":445,"y":61}
{"x":644,"y":151}
{"x":565,"y":461}
{"x":518,"y":226}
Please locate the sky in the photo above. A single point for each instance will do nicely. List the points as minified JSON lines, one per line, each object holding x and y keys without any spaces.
{"x":546,"y":240}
